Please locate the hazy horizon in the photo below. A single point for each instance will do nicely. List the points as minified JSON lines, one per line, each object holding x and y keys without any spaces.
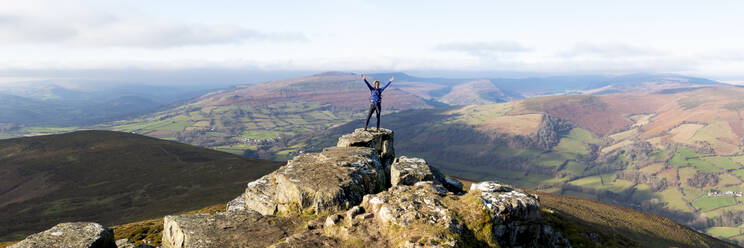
{"x":236,"y":41}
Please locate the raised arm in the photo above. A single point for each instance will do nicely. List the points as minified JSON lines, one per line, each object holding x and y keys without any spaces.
{"x":365,"y":81}
{"x":388,"y":84}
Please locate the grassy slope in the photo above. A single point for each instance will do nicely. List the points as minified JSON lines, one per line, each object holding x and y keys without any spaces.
{"x":226,"y":119}
{"x":111,"y":177}
{"x":573,"y":215}
{"x":239,"y":118}
{"x":575,"y":218}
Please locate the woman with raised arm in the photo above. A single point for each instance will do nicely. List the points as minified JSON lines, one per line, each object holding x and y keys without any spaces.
{"x":375,"y":100}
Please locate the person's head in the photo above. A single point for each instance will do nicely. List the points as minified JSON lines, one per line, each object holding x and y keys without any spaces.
{"x":377,"y":83}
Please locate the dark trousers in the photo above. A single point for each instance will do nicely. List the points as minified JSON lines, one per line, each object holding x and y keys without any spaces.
{"x":373,"y":108}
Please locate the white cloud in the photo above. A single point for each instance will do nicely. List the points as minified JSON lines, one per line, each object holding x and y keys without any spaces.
{"x":97,"y":28}
{"x":609,"y":50}
{"x":484,"y":49}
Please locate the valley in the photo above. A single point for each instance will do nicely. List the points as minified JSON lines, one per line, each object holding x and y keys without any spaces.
{"x":667,"y":145}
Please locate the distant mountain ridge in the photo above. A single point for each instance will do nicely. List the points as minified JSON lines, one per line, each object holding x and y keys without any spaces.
{"x":57,"y":104}
{"x":246,"y":118}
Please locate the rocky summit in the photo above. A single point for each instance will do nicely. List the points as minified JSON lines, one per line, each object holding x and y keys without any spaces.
{"x":356,"y":194}
{"x":359,"y":194}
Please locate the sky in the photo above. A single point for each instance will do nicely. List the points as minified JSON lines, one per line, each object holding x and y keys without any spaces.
{"x":697,"y":38}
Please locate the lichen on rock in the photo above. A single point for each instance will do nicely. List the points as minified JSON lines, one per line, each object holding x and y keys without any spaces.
{"x":71,"y":234}
{"x":381,"y":140}
{"x":225,"y":229}
{"x":335,"y":179}
{"x":409,"y":171}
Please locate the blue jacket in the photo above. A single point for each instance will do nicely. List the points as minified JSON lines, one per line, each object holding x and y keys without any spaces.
{"x":375,"y":93}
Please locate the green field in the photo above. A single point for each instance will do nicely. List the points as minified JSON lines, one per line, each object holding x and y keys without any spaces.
{"x":722,"y":162}
{"x":603,"y":183}
{"x":724,"y":232}
{"x":674,"y":198}
{"x":708,"y":203}
{"x":703,"y":165}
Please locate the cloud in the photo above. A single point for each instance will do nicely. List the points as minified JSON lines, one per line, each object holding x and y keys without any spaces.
{"x":163,"y":34}
{"x":98,"y":28}
{"x":15,"y":28}
{"x":484,"y":49}
{"x":609,"y":50}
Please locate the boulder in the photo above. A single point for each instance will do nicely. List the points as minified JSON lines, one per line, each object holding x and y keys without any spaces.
{"x":237,"y":204}
{"x":71,"y":234}
{"x":381,"y":140}
{"x":420,"y":210}
{"x":225,"y":229}
{"x":335,"y":179}
{"x":409,"y":171}
{"x":512,"y":217}
{"x":503,"y":201}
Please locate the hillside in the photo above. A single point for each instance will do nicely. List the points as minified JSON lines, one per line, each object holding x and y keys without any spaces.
{"x":62,"y":103}
{"x":673,"y":152}
{"x":256,"y":120}
{"x":245,"y":118}
{"x":375,"y":198}
{"x":111,"y":177}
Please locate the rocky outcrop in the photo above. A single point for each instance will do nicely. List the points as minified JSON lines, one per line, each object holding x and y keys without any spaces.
{"x":358,"y":194}
{"x":225,"y":229}
{"x":237,"y":204}
{"x":335,"y":179}
{"x":409,"y":171}
{"x":514,"y":216}
{"x":432,"y":216}
{"x":72,"y":234}
{"x":420,"y":210}
{"x":381,"y":140}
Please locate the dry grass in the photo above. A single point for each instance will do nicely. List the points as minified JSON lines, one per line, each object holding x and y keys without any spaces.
{"x":616,"y":146}
{"x":624,"y":135}
{"x":720,"y":135}
{"x":6,"y":244}
{"x":626,"y":225}
{"x":684,"y":133}
{"x":641,"y":120}
{"x":513,"y":124}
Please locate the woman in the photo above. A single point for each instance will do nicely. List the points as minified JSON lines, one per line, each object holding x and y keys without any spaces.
{"x":375,"y":100}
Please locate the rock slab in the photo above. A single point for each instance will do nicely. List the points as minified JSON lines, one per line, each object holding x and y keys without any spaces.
{"x":409,"y":171}
{"x":515,"y":218}
{"x":335,"y":179}
{"x":71,"y":234}
{"x":381,"y":140}
{"x":225,"y":229}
